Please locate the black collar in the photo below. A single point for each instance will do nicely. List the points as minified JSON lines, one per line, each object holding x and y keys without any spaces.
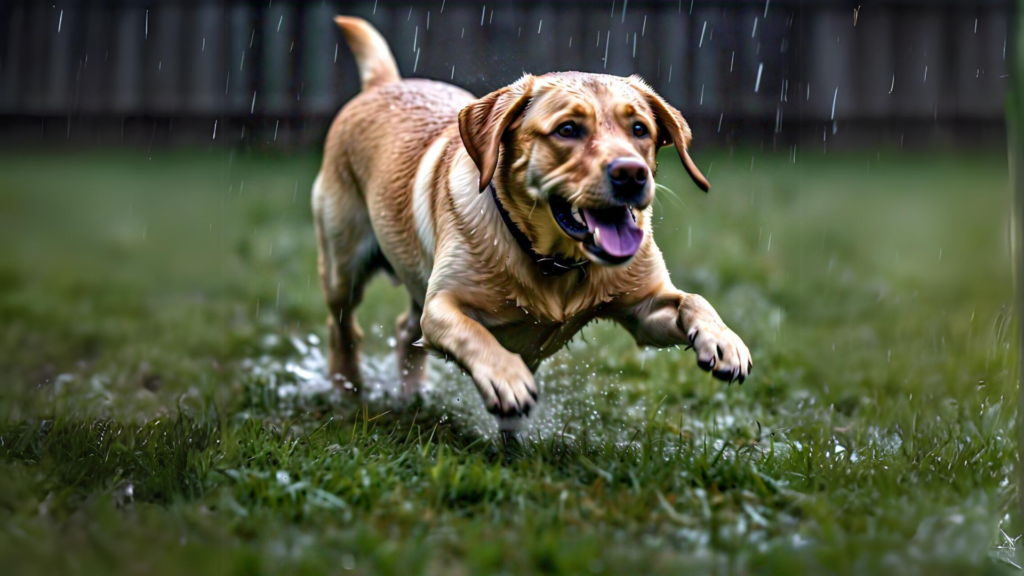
{"x":549,"y":265}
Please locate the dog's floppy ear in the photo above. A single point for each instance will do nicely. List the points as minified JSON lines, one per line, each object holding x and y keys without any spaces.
{"x":483,"y":123}
{"x":672,"y":130}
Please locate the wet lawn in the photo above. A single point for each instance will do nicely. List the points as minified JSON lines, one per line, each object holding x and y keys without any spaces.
{"x":162,"y":408}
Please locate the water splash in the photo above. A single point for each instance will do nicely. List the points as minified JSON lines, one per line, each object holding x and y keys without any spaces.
{"x":573,"y":393}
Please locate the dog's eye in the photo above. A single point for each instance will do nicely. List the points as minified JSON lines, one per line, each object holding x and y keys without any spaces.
{"x":639,"y":130}
{"x":568,"y":130}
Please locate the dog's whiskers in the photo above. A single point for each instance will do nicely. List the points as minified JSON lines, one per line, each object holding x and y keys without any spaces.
{"x":671,"y":193}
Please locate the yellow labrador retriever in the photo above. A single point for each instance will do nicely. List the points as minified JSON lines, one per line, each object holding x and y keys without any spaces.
{"x":513,"y":220}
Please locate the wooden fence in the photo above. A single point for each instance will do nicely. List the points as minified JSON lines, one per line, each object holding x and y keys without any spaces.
{"x":283,"y":65}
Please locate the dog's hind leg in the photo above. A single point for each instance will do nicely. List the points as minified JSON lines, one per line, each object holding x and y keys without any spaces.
{"x":412,"y":360}
{"x":349,"y":255}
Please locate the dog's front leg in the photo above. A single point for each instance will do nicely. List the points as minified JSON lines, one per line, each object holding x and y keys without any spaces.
{"x":505,"y":383}
{"x":672,"y":317}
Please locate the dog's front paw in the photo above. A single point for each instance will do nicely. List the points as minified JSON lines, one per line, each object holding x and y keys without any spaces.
{"x":506,"y":386}
{"x":718,"y":348}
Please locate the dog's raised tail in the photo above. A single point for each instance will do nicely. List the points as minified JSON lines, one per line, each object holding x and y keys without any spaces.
{"x":373,"y":56}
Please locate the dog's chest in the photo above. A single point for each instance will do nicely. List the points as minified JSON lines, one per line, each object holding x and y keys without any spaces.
{"x":534,"y":335}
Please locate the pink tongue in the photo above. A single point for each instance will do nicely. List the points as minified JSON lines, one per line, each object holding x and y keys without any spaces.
{"x":620,"y":237}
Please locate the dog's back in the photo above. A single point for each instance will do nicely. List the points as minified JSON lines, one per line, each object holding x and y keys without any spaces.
{"x":362,"y":198}
{"x":375,"y":144}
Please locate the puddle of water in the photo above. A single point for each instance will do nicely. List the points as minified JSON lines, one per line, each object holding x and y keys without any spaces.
{"x":572,"y":395}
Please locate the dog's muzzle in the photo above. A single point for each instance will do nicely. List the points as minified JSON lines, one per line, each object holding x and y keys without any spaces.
{"x":609,"y":234}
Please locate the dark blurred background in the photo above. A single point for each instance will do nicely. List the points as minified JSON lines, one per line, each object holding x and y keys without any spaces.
{"x":271,"y":74}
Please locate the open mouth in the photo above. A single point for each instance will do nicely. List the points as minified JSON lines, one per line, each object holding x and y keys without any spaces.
{"x":610,"y":234}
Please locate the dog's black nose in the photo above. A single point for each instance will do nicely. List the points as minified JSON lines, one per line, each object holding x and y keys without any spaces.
{"x":629,"y":179}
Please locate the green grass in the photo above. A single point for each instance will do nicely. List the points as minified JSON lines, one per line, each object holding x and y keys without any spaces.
{"x":156,"y":321}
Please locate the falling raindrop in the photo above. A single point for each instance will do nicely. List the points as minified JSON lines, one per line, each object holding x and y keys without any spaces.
{"x":607,"y":41}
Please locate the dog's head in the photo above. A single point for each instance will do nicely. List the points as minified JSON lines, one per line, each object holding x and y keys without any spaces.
{"x":582,"y":146}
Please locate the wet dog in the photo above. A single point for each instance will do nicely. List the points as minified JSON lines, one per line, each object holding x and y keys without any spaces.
{"x":512,"y":220}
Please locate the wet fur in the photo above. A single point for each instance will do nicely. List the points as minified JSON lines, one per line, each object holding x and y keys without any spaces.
{"x":475,"y":296}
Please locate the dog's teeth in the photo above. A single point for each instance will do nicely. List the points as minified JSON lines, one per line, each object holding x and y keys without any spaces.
{"x":575,"y":211}
{"x":597,"y":236}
